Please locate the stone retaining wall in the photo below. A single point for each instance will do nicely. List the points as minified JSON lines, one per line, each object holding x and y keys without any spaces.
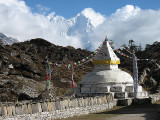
{"x":55,"y":109}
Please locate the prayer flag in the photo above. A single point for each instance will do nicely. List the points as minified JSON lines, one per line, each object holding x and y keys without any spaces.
{"x":72,"y":78}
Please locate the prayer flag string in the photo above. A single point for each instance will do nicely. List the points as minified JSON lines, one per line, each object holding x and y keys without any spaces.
{"x":121,"y":53}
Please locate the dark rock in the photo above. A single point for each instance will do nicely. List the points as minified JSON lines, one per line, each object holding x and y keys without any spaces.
{"x":144,"y":74}
{"x":14,"y":53}
{"x":46,"y":95}
{"x":150,"y":83}
{"x":0,"y":63}
{"x":27,"y":74}
{"x":14,"y":72}
{"x":25,"y":59}
{"x":40,"y":42}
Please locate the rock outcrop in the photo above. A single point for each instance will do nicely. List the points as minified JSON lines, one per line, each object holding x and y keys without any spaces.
{"x":150,"y":77}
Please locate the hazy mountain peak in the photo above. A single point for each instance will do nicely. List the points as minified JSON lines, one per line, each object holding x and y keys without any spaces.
{"x":7,"y":40}
{"x":80,"y":25}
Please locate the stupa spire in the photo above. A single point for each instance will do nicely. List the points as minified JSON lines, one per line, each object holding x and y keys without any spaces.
{"x":106,"y":56}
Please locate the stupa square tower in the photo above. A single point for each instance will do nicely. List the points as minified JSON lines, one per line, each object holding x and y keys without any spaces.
{"x":107,"y":77}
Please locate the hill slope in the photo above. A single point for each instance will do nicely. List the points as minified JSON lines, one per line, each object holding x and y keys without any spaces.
{"x":23,"y":69}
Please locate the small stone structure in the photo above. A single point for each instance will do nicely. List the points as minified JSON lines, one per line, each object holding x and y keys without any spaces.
{"x":108,"y":78}
{"x":47,"y":110}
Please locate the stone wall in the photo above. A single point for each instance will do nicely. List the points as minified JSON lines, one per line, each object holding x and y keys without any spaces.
{"x":63,"y":108}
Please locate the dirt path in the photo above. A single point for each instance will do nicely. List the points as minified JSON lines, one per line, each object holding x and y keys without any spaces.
{"x":148,"y":112}
{"x":133,"y":112}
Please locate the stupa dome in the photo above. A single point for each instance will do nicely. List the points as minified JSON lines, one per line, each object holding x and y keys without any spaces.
{"x":107,"y":76}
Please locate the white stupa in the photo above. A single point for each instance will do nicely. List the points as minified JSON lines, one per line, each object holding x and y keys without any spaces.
{"x":106,"y":77}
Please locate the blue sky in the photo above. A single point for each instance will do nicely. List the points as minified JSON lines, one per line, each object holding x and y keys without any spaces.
{"x":69,"y":8}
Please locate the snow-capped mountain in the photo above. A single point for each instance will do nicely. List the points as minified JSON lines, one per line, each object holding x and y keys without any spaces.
{"x":7,"y":40}
{"x":79,"y":24}
{"x":76,"y":25}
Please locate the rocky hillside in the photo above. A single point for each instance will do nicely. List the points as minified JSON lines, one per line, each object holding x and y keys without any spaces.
{"x":23,"y":69}
{"x":148,"y":69}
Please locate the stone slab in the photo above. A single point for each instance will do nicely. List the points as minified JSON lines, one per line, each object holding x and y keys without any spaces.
{"x":104,"y":100}
{"x":94,"y":90}
{"x":95,"y":100}
{"x":4,"y":111}
{"x":143,"y":94}
{"x":36,"y":108}
{"x":79,"y":102}
{"x":91,"y":101}
{"x":86,"y":102}
{"x":103,"y":89}
{"x":29,"y":109}
{"x":86,"y":85}
{"x":129,"y":89}
{"x":57,"y":104}
{"x":76,"y":102}
{"x":139,"y":89}
{"x":0,"y":112}
{"x":131,"y":95}
{"x":65,"y":104}
{"x":44,"y":107}
{"x":13,"y":110}
{"x":85,"y":90}
{"x":73,"y":103}
{"x":54,"y":106}
{"x":9,"y":110}
{"x":117,"y":89}
{"x":24,"y":109}
{"x":82,"y":101}
{"x":125,"y":102}
{"x":120,"y":95}
{"x":49,"y":106}
{"x":19,"y":110}
{"x":99,"y":100}
{"x":62,"y":105}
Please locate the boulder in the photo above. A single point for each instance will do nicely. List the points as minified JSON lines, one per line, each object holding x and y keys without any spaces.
{"x":150,"y":83}
{"x":4,"y":111}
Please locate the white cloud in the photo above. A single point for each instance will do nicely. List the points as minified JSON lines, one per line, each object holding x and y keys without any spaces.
{"x":51,"y":15}
{"x":126,"y":12}
{"x":129,"y":22}
{"x":42,"y":9}
{"x":95,"y":18}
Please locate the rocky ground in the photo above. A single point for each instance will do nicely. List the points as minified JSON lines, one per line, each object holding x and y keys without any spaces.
{"x":23,"y":69}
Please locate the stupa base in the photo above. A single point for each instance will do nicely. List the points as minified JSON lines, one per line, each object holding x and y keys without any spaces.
{"x":119,"y":91}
